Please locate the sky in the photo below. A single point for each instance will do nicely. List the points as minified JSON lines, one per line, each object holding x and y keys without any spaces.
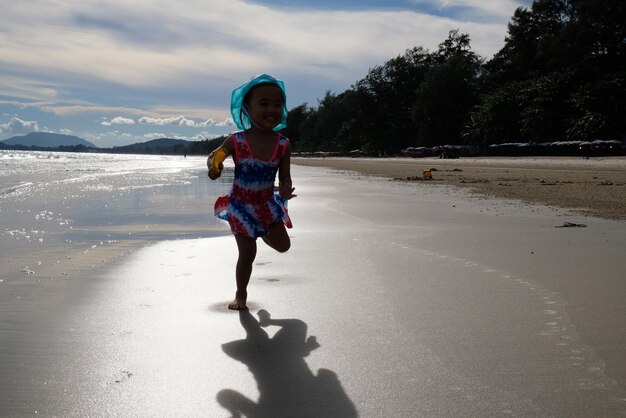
{"x":116,"y":72}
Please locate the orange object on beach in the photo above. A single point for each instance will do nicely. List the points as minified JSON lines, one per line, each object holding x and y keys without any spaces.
{"x":219,"y":156}
{"x":428,"y":175}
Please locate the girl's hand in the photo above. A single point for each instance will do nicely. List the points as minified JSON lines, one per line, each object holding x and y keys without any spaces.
{"x":285,"y":189}
{"x":213,"y":174}
{"x":227,"y":145}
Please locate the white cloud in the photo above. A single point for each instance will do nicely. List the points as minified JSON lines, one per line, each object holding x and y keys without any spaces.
{"x":216,"y":42}
{"x":119,"y":120}
{"x":64,"y":110}
{"x":122,"y":121}
{"x":174,"y":120}
{"x":210,"y":122}
{"x":66,"y":131}
{"x":154,"y":135}
{"x":189,"y":111}
{"x":116,"y":138}
{"x":19,"y":126}
{"x":183,"y":121}
{"x":39,"y":90}
{"x":203,"y":136}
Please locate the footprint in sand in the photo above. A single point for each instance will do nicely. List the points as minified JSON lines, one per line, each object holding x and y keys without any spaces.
{"x":121,"y":376}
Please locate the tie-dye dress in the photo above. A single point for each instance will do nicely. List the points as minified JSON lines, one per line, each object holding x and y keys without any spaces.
{"x":253,"y":205}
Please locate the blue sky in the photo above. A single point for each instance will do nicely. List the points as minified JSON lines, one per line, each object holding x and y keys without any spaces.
{"x":116,"y":72}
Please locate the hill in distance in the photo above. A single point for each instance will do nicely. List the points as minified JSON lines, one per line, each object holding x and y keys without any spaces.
{"x":47,"y":140}
{"x":154,"y":144}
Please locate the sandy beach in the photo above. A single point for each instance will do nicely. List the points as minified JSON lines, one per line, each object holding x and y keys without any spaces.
{"x":596,"y":186}
{"x":397,"y":298}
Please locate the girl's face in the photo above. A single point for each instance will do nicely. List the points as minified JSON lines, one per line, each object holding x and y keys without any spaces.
{"x":265,"y":106}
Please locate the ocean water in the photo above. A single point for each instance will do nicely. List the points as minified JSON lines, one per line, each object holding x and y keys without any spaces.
{"x":55,"y":207}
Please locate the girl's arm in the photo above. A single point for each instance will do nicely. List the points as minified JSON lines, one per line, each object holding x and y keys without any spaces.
{"x":285,"y":187}
{"x":227,"y":145}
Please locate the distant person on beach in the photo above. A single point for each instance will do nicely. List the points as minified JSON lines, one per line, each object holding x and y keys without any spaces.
{"x":253,"y":208}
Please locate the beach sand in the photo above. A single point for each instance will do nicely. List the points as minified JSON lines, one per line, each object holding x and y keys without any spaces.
{"x":596,"y":187}
{"x":397,"y":298}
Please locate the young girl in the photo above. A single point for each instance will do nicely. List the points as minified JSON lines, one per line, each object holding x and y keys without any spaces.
{"x":252,"y":208}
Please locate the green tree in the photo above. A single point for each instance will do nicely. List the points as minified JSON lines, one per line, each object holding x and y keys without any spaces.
{"x":447,"y":93}
{"x":598,"y":109}
{"x":544,"y":107}
{"x":385,"y":98}
{"x":296,"y":118}
{"x":532,"y":44}
{"x":563,"y":63}
{"x":495,"y":119}
{"x":561,"y":74}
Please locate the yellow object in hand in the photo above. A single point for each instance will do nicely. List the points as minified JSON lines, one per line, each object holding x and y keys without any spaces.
{"x":219,"y":156}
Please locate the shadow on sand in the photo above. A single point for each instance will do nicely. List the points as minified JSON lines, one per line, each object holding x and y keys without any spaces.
{"x":287,"y":386}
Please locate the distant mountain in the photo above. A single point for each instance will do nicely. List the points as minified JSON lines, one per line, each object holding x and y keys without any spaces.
{"x":47,"y":140}
{"x":155,"y":144}
{"x":161,"y":146}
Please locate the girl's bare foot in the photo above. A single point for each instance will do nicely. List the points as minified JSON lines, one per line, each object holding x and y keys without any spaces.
{"x":239,"y":304}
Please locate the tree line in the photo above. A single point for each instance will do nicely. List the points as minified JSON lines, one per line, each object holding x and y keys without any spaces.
{"x":559,"y":76}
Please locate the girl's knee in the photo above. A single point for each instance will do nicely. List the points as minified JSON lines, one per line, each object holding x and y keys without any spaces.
{"x":283,"y":247}
{"x":278,"y":238}
{"x":246,"y":258}
{"x":247,"y":254}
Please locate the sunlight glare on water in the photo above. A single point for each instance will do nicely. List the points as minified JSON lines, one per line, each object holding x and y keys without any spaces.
{"x":53,"y":202}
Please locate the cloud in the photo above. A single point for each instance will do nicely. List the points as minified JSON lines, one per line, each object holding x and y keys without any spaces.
{"x":80,"y":60}
{"x":19,"y":126}
{"x":212,"y":44}
{"x":122,"y":121}
{"x":69,"y":110}
{"x":204,"y":136}
{"x":119,"y":120}
{"x":175,"y":120}
{"x":210,"y":122}
{"x":39,"y":90}
{"x":476,"y":9}
{"x":183,"y":121}
{"x":202,"y":112}
{"x":154,"y":135}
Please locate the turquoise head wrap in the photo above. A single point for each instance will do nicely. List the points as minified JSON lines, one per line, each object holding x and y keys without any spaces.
{"x":239,"y":112}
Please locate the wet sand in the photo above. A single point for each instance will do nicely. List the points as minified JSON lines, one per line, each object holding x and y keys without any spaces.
{"x":396,"y":299}
{"x":596,"y":187}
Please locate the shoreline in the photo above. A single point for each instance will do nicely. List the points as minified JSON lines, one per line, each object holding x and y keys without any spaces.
{"x":591,"y":187}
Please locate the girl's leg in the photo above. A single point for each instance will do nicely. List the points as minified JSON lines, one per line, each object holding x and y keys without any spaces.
{"x":243,"y":271}
{"x":277,"y":238}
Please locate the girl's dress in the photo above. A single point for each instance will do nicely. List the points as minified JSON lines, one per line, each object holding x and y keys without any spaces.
{"x":252,"y":205}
